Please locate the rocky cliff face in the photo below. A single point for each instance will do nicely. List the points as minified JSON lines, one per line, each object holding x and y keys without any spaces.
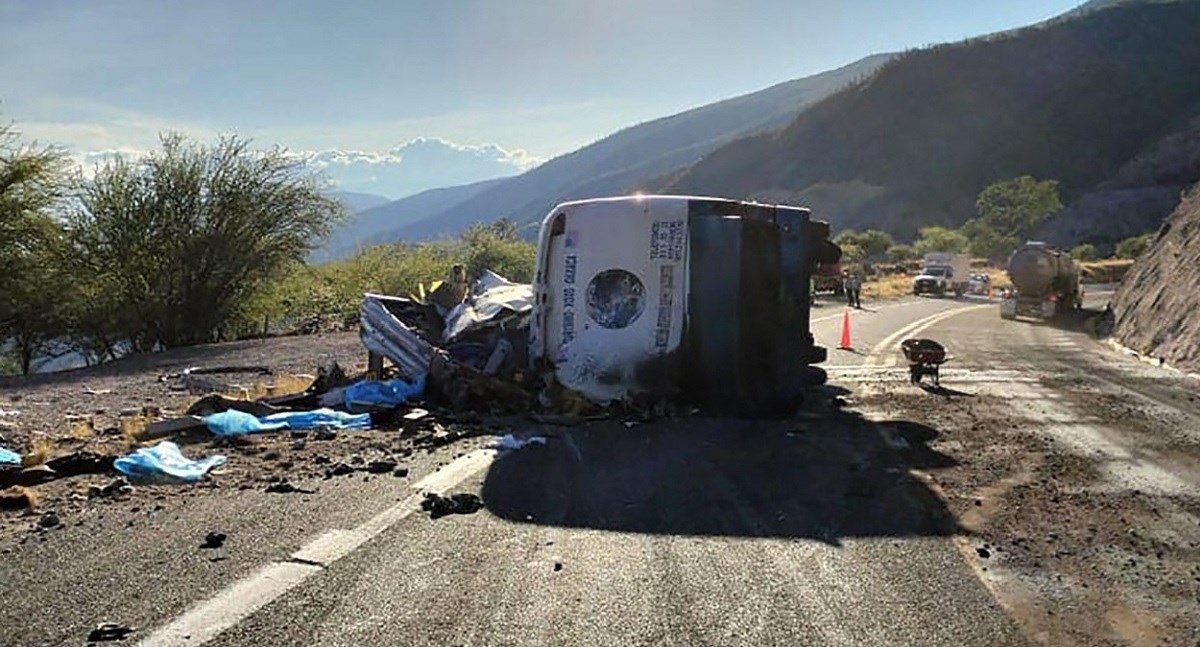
{"x":1135,"y":200}
{"x":1158,"y":304}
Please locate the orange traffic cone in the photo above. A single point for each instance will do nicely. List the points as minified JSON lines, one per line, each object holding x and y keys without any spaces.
{"x":845,"y":345}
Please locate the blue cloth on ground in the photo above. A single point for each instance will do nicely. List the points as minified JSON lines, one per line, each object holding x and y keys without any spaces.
{"x":388,"y":393}
{"x":240,"y":423}
{"x":164,"y":462}
{"x":319,"y":418}
{"x":8,"y":457}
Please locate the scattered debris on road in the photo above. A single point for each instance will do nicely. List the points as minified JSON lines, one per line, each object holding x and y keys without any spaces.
{"x":440,"y":506}
{"x":108,"y":632}
{"x":116,"y":487}
{"x":509,"y":442}
{"x":213,"y":540}
{"x":284,"y":487}
{"x":17,"y":498}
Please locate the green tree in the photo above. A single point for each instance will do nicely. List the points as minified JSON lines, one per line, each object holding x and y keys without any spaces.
{"x":1014,"y":208}
{"x":940,"y":239}
{"x":852,"y":253}
{"x":33,"y":285}
{"x":181,"y":240}
{"x":1135,"y":246}
{"x":872,"y":243}
{"x":901,"y":253}
{"x":876,"y":243}
{"x":1084,"y":252}
{"x":498,"y":247}
{"x":984,"y":242}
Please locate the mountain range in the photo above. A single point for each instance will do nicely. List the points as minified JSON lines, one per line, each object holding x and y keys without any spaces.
{"x":1101,"y":99}
{"x":417,"y":165}
{"x":1074,"y":100}
{"x":615,"y":164}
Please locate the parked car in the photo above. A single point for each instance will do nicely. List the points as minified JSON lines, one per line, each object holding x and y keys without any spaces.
{"x":979,"y":283}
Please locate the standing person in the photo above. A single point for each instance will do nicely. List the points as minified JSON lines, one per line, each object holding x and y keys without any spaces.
{"x":858,"y":283}
{"x":852,"y":283}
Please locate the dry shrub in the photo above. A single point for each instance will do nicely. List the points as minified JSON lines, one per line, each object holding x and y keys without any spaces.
{"x":82,"y":431}
{"x":133,"y":429}
{"x":40,"y":451}
{"x":18,"y":498}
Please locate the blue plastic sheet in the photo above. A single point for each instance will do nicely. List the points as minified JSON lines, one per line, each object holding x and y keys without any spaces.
{"x":9,"y":457}
{"x":389,"y":393}
{"x":164,"y":462}
{"x":319,"y":418}
{"x":240,"y":423}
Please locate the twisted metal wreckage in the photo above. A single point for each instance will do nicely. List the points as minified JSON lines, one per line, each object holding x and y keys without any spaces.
{"x":636,"y":299}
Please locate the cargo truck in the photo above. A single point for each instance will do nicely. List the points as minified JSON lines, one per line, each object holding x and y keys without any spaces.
{"x":943,"y":272}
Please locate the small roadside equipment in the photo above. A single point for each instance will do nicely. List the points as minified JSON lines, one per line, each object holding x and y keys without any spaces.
{"x":925,"y":357}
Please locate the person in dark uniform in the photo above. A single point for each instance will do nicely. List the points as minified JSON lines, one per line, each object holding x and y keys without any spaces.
{"x":852,"y":283}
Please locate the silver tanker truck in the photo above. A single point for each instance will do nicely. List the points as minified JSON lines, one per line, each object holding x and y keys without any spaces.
{"x":1045,"y":281}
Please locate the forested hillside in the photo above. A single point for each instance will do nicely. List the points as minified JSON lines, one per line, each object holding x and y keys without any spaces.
{"x":1074,"y":101}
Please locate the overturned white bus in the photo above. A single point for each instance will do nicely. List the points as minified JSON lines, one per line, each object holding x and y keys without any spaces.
{"x":697,"y":297}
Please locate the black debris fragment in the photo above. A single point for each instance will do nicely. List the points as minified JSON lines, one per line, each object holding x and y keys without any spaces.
{"x":381,"y":466}
{"x":27,"y":477}
{"x":216,"y":403}
{"x":324,"y":434}
{"x":558,"y":566}
{"x":213,"y":540}
{"x":339,"y":469}
{"x":983,"y":553}
{"x":108,"y":631}
{"x":439,"y":506}
{"x":81,"y":462}
{"x":116,"y":487}
{"x":400,"y":472}
{"x":283,"y":487}
{"x":49,"y":520}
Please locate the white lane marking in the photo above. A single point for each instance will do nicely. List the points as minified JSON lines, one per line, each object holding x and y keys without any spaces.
{"x":876,"y":358}
{"x":959,"y":376}
{"x":238,"y":601}
{"x":875,"y":309}
{"x":234,"y":604}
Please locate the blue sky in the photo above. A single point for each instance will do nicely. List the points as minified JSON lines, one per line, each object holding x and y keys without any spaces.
{"x":540,"y":76}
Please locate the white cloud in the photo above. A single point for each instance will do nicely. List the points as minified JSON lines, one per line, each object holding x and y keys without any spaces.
{"x":93,"y":132}
{"x":419,"y":164}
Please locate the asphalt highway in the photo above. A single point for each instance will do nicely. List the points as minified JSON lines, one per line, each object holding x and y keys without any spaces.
{"x":811,"y":531}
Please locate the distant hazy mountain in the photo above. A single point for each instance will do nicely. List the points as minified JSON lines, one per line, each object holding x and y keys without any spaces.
{"x":356,"y":202}
{"x":370,"y":226}
{"x":625,"y":160}
{"x":417,"y":165}
{"x":1096,"y":5}
{"x":1074,"y":100}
